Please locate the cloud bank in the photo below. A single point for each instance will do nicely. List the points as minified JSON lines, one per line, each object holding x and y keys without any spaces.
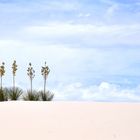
{"x":102,"y":92}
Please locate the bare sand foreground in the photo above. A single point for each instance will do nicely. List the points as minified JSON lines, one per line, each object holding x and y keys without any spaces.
{"x":69,"y":121}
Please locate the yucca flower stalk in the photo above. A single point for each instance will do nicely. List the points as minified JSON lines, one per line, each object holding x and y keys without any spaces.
{"x":14,"y":68}
{"x":2,"y":72}
{"x":45,"y":71}
{"x":31,"y":74}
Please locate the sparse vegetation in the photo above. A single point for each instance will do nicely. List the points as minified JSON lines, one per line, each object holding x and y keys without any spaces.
{"x":3,"y":95}
{"x":47,"y":96}
{"x":31,"y":96}
{"x":14,"y":93}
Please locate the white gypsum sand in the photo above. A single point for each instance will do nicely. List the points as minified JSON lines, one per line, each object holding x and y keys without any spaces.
{"x":24,"y":120}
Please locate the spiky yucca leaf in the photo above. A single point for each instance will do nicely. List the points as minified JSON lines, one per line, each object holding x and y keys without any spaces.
{"x":31,"y":96}
{"x":47,"y":96}
{"x":3,"y":95}
{"x":15,"y":93}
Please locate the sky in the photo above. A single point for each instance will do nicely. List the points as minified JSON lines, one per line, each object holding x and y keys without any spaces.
{"x":91,"y":47}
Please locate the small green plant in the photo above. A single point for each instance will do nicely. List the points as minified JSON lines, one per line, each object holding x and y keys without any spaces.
{"x":2,"y":72}
{"x":31,"y":74}
{"x":47,"y":96}
{"x":3,"y":95}
{"x":14,"y":69}
{"x":14,"y":94}
{"x":31,"y":96}
{"x":45,"y":71}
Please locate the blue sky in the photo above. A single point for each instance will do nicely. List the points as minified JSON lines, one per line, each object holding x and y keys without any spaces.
{"x":91,"y":47}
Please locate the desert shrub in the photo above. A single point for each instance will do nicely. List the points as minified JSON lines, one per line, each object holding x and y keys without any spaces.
{"x":47,"y":96}
{"x":14,"y":94}
{"x":31,"y":96}
{"x":3,"y":95}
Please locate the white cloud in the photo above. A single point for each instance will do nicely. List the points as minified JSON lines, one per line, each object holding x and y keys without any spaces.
{"x":84,"y":15}
{"x":87,"y":33}
{"x":112,"y":10}
{"x":62,"y":5}
{"x":102,"y":92}
{"x":38,"y":6}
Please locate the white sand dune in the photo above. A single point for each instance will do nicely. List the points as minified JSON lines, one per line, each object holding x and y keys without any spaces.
{"x":69,"y":121}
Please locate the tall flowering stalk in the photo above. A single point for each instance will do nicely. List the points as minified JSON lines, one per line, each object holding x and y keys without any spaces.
{"x":31,"y":74}
{"x":2,"y":72}
{"x":45,"y":71}
{"x":14,"y":69}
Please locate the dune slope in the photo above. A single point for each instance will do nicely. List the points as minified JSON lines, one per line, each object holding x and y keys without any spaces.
{"x":69,"y":121}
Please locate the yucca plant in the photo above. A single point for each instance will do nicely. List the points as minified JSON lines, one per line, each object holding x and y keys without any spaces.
{"x":31,"y":96}
{"x":47,"y":96}
{"x":45,"y":71}
{"x":31,"y":74}
{"x":14,"y":94}
{"x":3,"y":95}
{"x":14,"y":69}
{"x":2,"y":72}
